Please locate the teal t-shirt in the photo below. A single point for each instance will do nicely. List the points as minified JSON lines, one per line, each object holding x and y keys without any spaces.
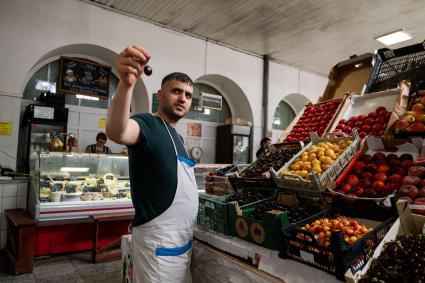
{"x":153,"y":168}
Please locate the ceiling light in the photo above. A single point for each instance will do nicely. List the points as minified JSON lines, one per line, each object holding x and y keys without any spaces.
{"x":74,"y":169}
{"x":394,"y":37}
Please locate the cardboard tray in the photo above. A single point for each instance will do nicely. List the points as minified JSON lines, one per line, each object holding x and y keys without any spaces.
{"x":395,"y":100}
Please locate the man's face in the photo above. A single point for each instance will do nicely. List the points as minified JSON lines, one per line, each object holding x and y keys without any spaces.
{"x":175,"y":99}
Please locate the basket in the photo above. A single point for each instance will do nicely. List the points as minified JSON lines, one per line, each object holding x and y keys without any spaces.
{"x":339,"y":256}
{"x":316,"y":184}
{"x":393,"y":65}
{"x":213,"y":212}
{"x":265,"y":232}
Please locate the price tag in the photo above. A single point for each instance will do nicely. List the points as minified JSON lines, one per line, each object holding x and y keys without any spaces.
{"x":307,"y":256}
{"x":5,"y":128}
{"x":43,"y":112}
{"x":102,"y":123}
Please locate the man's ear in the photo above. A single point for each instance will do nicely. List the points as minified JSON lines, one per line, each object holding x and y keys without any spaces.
{"x":159,"y":94}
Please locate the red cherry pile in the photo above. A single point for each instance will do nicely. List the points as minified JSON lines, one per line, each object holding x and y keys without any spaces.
{"x":374,"y":124}
{"x":376,"y":176}
{"x":314,"y":119}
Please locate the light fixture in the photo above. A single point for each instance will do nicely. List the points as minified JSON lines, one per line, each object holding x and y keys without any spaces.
{"x":207,"y":111}
{"x":86,"y":97}
{"x":394,"y":37}
{"x":276,"y":121}
{"x":74,"y":169}
{"x":358,"y":65}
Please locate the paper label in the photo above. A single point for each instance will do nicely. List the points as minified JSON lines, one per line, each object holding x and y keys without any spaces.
{"x":43,"y":112}
{"x":102,"y":123}
{"x":5,"y":128}
{"x":375,"y":144}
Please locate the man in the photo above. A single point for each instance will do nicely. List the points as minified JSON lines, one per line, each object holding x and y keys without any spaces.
{"x":163,"y":186}
{"x":99,"y":146}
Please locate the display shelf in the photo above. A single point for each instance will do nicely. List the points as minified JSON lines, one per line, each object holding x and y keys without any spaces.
{"x":266,"y":260}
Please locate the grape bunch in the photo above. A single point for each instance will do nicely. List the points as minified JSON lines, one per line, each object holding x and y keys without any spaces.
{"x":247,"y":197}
{"x":275,"y":160}
{"x":401,"y":261}
{"x":294,"y":214}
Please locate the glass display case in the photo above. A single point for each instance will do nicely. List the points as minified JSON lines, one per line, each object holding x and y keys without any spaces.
{"x":76,"y":185}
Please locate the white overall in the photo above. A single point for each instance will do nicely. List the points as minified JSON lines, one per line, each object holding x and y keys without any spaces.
{"x":161,"y":248}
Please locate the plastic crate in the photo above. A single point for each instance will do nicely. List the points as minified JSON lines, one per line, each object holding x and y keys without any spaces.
{"x":316,"y":184}
{"x":213,"y":212}
{"x":265,"y":232}
{"x":393,"y":65}
{"x":339,"y":256}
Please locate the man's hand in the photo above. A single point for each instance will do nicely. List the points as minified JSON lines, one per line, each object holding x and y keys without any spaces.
{"x":130,"y":63}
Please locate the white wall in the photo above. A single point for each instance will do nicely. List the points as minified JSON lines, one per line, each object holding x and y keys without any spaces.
{"x":31,"y":29}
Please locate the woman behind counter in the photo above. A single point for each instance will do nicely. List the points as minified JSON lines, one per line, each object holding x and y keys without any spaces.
{"x":99,"y":146}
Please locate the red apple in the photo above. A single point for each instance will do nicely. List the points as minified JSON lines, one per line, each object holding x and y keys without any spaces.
{"x":380,"y":109}
{"x":406,"y":164}
{"x":408,"y":190}
{"x":358,"y":124}
{"x":395,"y":178}
{"x":367,"y":175}
{"x":365,"y":158}
{"x":347,"y":129}
{"x":418,"y":107}
{"x":392,"y":187}
{"x":416,"y":127}
{"x":372,"y":115}
{"x":391,"y":156}
{"x":352,"y":180}
{"x":378,"y":186}
{"x":364,"y":184}
{"x":342,"y":121}
{"x":384,"y":169}
{"x":359,"y":165}
{"x":380,"y":177}
{"x":380,"y":120}
{"x":379,"y":156}
{"x":362,"y":135}
{"x":346,"y":188}
{"x":371,"y":167}
{"x":365,"y":128}
{"x":358,"y":191}
{"x":377,"y":127}
{"x":411,"y":180}
{"x":418,"y":171}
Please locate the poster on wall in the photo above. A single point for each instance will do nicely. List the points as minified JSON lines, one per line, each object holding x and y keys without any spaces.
{"x":85,"y":77}
{"x":194,"y":134}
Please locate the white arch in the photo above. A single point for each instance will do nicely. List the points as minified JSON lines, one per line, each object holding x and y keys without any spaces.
{"x":95,"y":53}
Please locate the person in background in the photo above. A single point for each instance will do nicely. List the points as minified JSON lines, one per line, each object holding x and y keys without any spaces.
{"x":99,"y":146}
{"x":263,"y":147}
{"x":163,"y":185}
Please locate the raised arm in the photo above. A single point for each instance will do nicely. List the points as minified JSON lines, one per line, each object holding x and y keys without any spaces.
{"x":119,"y":127}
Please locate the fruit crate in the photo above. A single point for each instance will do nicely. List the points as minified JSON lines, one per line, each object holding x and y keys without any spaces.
{"x":394,"y":100}
{"x":213,"y":212}
{"x":407,"y":223}
{"x":371,"y":146}
{"x":393,"y":65}
{"x":257,"y":174}
{"x":295,"y":122}
{"x":217,"y":185}
{"x":339,"y":255}
{"x":316,"y":184}
{"x":264,"y":232}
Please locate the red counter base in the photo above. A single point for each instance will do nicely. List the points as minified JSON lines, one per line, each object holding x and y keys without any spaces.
{"x":68,"y":236}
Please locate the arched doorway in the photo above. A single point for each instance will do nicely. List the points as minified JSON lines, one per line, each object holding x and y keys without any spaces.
{"x":285,"y":112}
{"x":85,"y":115}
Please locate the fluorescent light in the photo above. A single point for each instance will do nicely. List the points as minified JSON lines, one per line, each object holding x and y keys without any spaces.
{"x":394,"y":37}
{"x":86,"y":97}
{"x":207,"y":111}
{"x":74,"y":169}
{"x":118,"y":156}
{"x":276,"y":121}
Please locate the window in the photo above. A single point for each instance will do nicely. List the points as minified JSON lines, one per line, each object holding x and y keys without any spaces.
{"x":282,"y":116}
{"x":45,"y":79}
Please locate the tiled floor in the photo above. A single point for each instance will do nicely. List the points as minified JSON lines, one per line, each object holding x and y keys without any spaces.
{"x":74,"y":268}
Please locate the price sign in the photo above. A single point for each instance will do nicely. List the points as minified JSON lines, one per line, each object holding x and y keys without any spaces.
{"x":43,"y":112}
{"x":5,"y":128}
{"x":102,"y":123}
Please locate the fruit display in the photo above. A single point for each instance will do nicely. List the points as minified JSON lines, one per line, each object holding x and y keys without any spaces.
{"x":412,"y":188}
{"x":413,"y":121}
{"x":373,"y":124}
{"x":323,"y":228}
{"x":315,"y":118}
{"x":217,"y":185}
{"x":402,"y":260}
{"x":376,"y":176}
{"x":275,"y":159}
{"x":316,"y":159}
{"x":294,"y":214}
{"x":248,"y":197}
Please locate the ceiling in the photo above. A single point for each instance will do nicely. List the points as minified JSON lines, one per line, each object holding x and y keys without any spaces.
{"x":310,"y":34}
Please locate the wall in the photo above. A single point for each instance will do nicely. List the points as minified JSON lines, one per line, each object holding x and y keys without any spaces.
{"x":31,"y":29}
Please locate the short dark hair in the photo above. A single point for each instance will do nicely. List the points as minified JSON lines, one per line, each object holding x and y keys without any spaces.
{"x":101,"y":136}
{"x":264,"y":140}
{"x":180,"y":77}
